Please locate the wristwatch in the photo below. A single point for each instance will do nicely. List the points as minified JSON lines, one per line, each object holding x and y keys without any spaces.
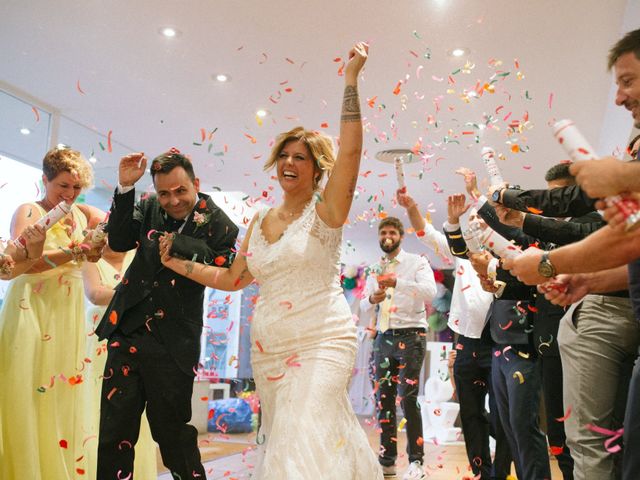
{"x":545,"y":267}
{"x":495,"y":196}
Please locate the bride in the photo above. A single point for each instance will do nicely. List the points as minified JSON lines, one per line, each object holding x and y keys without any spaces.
{"x":302,"y":335}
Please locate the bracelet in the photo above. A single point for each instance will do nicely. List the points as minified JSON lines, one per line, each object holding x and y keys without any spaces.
{"x":77,"y":254}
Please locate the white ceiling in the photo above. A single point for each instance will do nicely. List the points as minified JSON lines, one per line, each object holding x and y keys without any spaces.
{"x":153,"y":93}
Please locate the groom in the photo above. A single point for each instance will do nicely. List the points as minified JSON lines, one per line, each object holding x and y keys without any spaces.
{"x":154,"y":320}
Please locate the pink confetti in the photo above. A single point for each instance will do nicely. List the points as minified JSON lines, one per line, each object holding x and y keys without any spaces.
{"x":550,"y":100}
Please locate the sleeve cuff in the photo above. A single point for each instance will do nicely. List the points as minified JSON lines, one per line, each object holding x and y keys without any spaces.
{"x":122,"y":190}
{"x":450,"y":227}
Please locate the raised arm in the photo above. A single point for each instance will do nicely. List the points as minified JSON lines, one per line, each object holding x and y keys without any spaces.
{"x":425,"y":231}
{"x":341,"y":186}
{"x":236,"y":277}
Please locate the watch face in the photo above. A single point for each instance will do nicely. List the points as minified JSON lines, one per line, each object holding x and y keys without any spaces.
{"x":495,"y":196}
{"x":545,"y":269}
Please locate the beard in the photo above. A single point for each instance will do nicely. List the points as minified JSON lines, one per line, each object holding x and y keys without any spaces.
{"x":389,"y":247}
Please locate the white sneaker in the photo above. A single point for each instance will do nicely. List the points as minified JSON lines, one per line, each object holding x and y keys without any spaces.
{"x":414,"y":472}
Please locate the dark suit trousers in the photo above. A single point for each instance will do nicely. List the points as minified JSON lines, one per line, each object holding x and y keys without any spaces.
{"x":472,"y":374}
{"x":139,"y":371}
{"x":552,"y":391}
{"x":517,"y":384}
{"x":631,"y":456}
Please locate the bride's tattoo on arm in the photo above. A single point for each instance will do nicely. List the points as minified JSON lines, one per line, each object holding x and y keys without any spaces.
{"x":350,"y":105}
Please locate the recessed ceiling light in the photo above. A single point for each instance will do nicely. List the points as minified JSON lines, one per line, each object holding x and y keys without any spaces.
{"x":459,"y":52}
{"x":169,"y":32}
{"x":262,"y":113}
{"x":25,"y":131}
{"x":222,"y":77}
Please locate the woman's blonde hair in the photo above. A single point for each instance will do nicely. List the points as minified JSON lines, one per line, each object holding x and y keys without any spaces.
{"x":58,"y":160}
{"x":319,"y":145}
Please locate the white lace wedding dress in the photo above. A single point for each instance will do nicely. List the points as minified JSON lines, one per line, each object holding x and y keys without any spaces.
{"x":303,"y":351}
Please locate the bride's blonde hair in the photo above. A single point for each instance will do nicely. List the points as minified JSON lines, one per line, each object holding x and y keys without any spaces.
{"x":319,"y":145}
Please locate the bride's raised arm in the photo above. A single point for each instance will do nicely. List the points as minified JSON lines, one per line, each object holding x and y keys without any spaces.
{"x":341,"y":186}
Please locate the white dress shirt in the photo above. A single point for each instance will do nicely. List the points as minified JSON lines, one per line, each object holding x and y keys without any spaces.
{"x":469,"y":302}
{"x":415,"y":285}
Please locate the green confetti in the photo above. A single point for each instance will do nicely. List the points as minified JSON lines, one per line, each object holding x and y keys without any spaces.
{"x":197,"y":144}
{"x":415,"y":34}
{"x":455,"y":72}
{"x":101,"y":146}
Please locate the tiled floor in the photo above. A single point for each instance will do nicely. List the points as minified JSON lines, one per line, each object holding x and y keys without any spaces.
{"x":442,"y":462}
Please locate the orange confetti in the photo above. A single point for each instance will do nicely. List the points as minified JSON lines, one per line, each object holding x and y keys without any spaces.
{"x":253,"y":140}
{"x":324,"y":125}
{"x":534,"y":210}
{"x":277,"y":377}
{"x":259,"y":345}
{"x":78,"y":87}
{"x":396,"y":91}
{"x":37,"y":114}
{"x":113,"y":317}
{"x":109,"y":147}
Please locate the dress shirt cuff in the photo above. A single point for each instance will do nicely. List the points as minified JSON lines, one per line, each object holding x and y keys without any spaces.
{"x":450,"y":227}
{"x":492,"y":268}
{"x":122,"y":189}
{"x":481,"y":201}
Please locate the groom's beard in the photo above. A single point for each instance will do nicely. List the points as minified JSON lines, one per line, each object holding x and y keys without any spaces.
{"x":389,"y":247}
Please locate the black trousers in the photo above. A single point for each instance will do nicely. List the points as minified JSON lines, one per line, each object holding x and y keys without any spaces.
{"x":631,"y":458}
{"x":139,"y":371}
{"x":398,"y":359}
{"x":516,"y":378}
{"x":552,"y":392}
{"x":472,"y":375}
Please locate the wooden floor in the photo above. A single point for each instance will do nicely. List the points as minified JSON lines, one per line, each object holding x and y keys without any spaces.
{"x":229,"y":457}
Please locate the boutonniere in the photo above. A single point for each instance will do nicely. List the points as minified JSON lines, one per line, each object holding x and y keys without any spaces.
{"x":201,"y":219}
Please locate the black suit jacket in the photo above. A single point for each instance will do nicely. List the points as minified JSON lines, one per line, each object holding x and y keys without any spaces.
{"x":570,"y":201}
{"x":169,"y":303}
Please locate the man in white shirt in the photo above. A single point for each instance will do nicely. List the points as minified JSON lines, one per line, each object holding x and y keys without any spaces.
{"x":398,"y":287}
{"x":472,"y":364}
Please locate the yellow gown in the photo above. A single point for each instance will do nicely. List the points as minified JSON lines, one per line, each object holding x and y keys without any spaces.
{"x":42,"y":351}
{"x":145,"y":466}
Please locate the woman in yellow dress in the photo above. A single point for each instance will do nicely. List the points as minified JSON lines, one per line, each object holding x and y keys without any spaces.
{"x":99,"y":281}
{"x":42,"y":337}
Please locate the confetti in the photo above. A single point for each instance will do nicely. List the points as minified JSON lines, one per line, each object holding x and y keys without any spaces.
{"x":566,"y":415}
{"x":109,"y":147}
{"x":36,"y":113}
{"x":78,"y":87}
{"x":519,"y":376}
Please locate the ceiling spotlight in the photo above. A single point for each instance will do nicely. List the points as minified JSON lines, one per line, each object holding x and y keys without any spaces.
{"x":25,"y":131}
{"x":262,"y":113}
{"x":459,"y":52}
{"x":93,"y":159}
{"x":169,"y":32}
{"x":222,"y":77}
